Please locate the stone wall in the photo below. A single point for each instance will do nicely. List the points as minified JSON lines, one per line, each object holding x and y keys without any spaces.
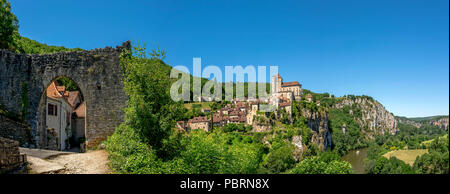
{"x":97,"y":73}
{"x":15,"y":130}
{"x":11,"y":161}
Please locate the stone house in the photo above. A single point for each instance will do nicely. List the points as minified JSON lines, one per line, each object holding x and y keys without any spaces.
{"x":287,"y":106}
{"x":199,"y":123}
{"x":252,"y":113}
{"x":218,"y":121}
{"x":58,"y":117}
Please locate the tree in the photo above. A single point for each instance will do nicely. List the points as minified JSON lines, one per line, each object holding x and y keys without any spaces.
{"x":150,"y":110}
{"x":316,"y":165}
{"x":68,"y":83}
{"x":437,"y":160}
{"x":279,"y":159}
{"x":382,"y":165}
{"x":9,"y":26}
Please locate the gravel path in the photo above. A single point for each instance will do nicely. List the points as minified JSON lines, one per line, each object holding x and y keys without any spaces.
{"x":94,"y":162}
{"x":55,"y":162}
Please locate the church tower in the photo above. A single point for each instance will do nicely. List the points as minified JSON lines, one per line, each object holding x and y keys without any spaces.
{"x":279,"y":82}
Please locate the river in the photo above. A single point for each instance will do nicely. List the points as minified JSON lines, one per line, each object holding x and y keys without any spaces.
{"x":356,"y":159}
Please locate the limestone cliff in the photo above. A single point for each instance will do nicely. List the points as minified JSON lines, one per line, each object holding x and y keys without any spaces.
{"x":371,"y":115}
{"x":442,"y":123}
{"x":406,"y":121}
{"x":317,"y":121}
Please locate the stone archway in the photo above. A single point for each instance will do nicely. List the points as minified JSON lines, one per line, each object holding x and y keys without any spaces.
{"x":97,"y":73}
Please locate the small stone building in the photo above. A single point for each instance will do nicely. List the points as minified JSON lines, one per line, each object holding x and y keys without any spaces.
{"x":59,"y":120}
{"x":199,"y":123}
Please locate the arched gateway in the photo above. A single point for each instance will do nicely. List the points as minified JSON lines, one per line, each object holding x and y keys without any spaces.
{"x":97,"y":73}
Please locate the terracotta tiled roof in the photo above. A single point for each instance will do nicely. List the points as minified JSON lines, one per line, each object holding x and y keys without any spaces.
{"x":234,"y":113}
{"x":240,"y":105}
{"x":52,"y":92}
{"x":81,"y":110}
{"x":285,"y":104}
{"x":73,"y":97}
{"x":198,"y":120}
{"x":61,"y":88}
{"x":217,"y":119}
{"x":287,"y":84}
{"x":234,"y":119}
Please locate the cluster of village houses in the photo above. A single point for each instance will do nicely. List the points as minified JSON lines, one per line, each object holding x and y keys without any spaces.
{"x":65,"y":116}
{"x":244,"y":111}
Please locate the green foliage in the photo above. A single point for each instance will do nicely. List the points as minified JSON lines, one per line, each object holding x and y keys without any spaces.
{"x":231,"y":127}
{"x":352,"y":137}
{"x":382,"y":165}
{"x":145,"y":141}
{"x":436,"y":161}
{"x":68,"y":83}
{"x":317,"y":165}
{"x":150,"y":110}
{"x":212,"y":153}
{"x":9,"y":26}
{"x":28,"y":46}
{"x":279,"y":159}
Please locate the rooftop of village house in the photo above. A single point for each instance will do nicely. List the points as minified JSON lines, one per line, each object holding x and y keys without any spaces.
{"x":198,"y":120}
{"x":293,"y":83}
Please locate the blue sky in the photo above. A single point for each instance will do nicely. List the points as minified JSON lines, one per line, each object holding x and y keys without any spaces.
{"x":396,"y":51}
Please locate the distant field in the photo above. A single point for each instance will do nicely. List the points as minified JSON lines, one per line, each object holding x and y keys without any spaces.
{"x":427,"y":143}
{"x":407,"y":156}
{"x":204,"y":104}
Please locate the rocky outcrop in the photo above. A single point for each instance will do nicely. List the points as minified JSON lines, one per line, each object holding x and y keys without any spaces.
{"x":371,"y":115}
{"x":261,"y":124}
{"x":406,"y":121}
{"x":297,"y":141}
{"x":442,"y":123}
{"x":317,"y":121}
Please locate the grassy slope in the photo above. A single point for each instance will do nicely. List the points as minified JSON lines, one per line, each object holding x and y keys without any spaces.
{"x":427,"y":143}
{"x":408,"y":156}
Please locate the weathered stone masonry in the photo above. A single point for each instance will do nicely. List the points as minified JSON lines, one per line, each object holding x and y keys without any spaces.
{"x":14,"y":130}
{"x":97,"y":72}
{"x":11,"y":161}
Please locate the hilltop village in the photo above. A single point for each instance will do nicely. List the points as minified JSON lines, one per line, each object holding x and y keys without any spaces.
{"x":247,"y":111}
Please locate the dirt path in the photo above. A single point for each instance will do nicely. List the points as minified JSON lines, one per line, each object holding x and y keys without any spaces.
{"x":52,"y":162}
{"x":94,"y":162}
